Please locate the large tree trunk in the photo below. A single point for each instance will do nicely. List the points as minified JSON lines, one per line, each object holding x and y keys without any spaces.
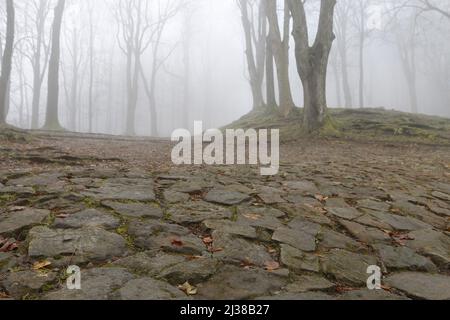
{"x":280,"y":49}
{"x":312,"y":62}
{"x":7,"y":61}
{"x":52,"y":117}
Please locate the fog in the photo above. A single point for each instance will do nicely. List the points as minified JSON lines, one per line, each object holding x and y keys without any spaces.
{"x":196,"y":68}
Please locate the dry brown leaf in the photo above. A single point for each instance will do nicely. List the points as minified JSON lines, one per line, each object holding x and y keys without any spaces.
{"x":41,"y":264}
{"x":3,"y":295}
{"x":177,"y":243}
{"x":187,"y":288}
{"x":321,"y":198}
{"x":7,"y":245}
{"x":253,"y":216}
{"x":208,"y":240}
{"x":272,"y":265}
{"x":214,"y":250}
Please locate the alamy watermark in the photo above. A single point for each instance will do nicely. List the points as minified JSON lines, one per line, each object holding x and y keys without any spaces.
{"x":374,"y":280}
{"x":230,"y":149}
{"x":74,"y":280}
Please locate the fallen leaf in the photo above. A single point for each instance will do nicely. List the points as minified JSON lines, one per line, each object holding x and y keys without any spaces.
{"x":190,"y":258}
{"x":208,"y":240}
{"x":7,"y":245}
{"x":271,"y":250}
{"x":272,"y":265}
{"x":321,"y":198}
{"x":214,"y":250}
{"x":188,"y":289}
{"x":3,"y":295}
{"x":177,"y":243}
{"x":17,"y":208}
{"x":62,"y":215}
{"x":253,"y":216}
{"x":246,"y":264}
{"x":41,"y":265}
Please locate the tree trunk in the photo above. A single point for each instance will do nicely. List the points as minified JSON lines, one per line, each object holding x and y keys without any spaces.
{"x":255,"y":64}
{"x":91,"y":70}
{"x":7,"y":61}
{"x":38,"y":74}
{"x":312,"y":62}
{"x":280,"y":49}
{"x":361,"y":57}
{"x":52,"y":117}
{"x":270,"y":77}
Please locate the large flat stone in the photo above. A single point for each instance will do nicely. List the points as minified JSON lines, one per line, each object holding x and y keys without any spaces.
{"x":265,"y":217}
{"x":149,"y":263}
{"x":87,"y":218}
{"x":194,"y":271}
{"x":123,"y":190}
{"x":155,"y":235}
{"x":365,"y":234}
{"x":19,"y":284}
{"x":307,"y":283}
{"x":198,"y":211}
{"x":298,"y":261}
{"x":304,"y":187}
{"x":421,"y":285}
{"x":226,"y":197}
{"x":404,"y":258}
{"x":90,"y":244}
{"x":370,"y":295}
{"x":231,"y":227}
{"x":148,"y":289}
{"x":135,"y":210}
{"x":433,"y":244}
{"x":13,"y":222}
{"x":234,"y":283}
{"x":96,"y":284}
{"x":400,"y":223}
{"x":420,"y":213}
{"x":237,"y":250}
{"x":300,"y":239}
{"x":348,"y":267}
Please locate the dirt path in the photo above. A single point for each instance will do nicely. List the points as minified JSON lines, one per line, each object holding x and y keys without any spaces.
{"x":139,"y":227}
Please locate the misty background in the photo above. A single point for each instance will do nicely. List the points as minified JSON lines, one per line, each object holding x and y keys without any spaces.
{"x":196,"y":69}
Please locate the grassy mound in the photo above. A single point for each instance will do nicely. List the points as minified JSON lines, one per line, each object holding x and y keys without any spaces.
{"x":364,"y":124}
{"x":13,"y":134}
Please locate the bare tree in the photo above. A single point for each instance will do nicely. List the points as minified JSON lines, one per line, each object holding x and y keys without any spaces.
{"x":254,"y":22}
{"x":343,"y":17}
{"x":91,"y":64}
{"x":361,"y":16}
{"x":166,"y":12}
{"x":38,"y":52}
{"x":133,"y":38}
{"x":280,"y":50}
{"x":52,"y":115}
{"x":424,"y":6}
{"x":7,"y":60}
{"x":312,"y":61}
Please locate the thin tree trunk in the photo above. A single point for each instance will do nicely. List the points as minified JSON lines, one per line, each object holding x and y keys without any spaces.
{"x":361,"y":57}
{"x":270,"y":77}
{"x":91,"y":70}
{"x":52,"y":117}
{"x":7,"y":61}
